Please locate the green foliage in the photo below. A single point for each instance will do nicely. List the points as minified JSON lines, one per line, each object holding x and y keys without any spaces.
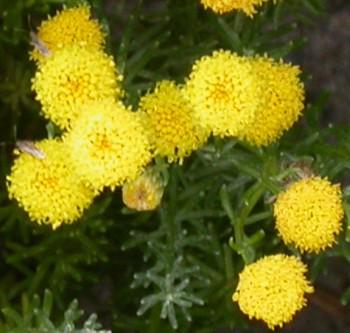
{"x":181,"y":262}
{"x":37,"y":256}
{"x":35,"y":318}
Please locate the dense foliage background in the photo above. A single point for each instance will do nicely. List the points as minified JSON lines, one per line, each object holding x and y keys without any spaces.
{"x":124,"y":265}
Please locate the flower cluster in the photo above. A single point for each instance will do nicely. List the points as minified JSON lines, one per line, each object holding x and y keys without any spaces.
{"x":309,"y":214}
{"x":273,"y":289}
{"x":223,"y":92}
{"x":107,"y":144}
{"x":281,"y":101}
{"x":172,"y":126}
{"x":225,"y":6}
{"x":47,"y":188}
{"x":71,"y":78}
{"x":72,"y":26}
{"x":103,"y":144}
{"x":254,"y":99}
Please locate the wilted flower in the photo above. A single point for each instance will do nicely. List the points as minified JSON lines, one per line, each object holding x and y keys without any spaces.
{"x":145,"y":192}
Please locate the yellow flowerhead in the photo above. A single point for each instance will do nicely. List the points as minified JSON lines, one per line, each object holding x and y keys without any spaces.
{"x":281,"y":101}
{"x":223,"y":91}
{"x":46,"y":187}
{"x":173,"y":129}
{"x":108,"y":145}
{"x":309,"y":214}
{"x":273,"y":289}
{"x":70,"y":26}
{"x":225,"y":6}
{"x":145,"y":192}
{"x":72,"y":77}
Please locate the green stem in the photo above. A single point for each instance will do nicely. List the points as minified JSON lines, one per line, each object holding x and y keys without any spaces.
{"x":235,"y":221}
{"x":229,"y":269}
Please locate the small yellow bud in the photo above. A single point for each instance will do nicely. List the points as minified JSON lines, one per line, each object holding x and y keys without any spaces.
{"x":145,"y":192}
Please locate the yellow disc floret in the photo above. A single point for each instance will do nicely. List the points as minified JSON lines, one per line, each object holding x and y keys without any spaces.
{"x":273,"y":289}
{"x":171,"y":124}
{"x":108,"y":145}
{"x":309,"y":214}
{"x":145,"y":192}
{"x":47,"y":187}
{"x":280,"y":104}
{"x":225,"y":6}
{"x":223,"y":91}
{"x":72,"y":77}
{"x":70,"y":26}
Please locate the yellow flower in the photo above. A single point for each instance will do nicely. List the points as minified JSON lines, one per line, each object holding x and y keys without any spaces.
{"x":71,"y":78}
{"x":173,"y":129}
{"x":145,"y":192}
{"x":108,"y":145}
{"x":225,"y":6}
{"x":281,"y":101}
{"x":46,"y":187}
{"x":70,"y":26}
{"x":273,"y":289}
{"x":224,"y":92}
{"x":309,"y":214}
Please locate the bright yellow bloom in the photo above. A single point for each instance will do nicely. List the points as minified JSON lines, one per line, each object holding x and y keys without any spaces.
{"x":70,"y":26}
{"x":225,"y":6}
{"x":46,"y":187}
{"x":273,"y":289}
{"x":145,"y":192}
{"x":281,"y":101}
{"x":309,"y":214}
{"x":224,"y":92}
{"x":72,"y":77}
{"x":173,"y":129}
{"x":108,"y":145}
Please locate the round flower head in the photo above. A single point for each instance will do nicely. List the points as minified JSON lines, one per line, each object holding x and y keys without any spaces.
{"x":281,"y":101}
{"x":173,"y":129}
{"x":143,"y":193}
{"x":273,"y":289}
{"x":71,"y":78}
{"x":108,"y":145}
{"x":45,"y":185}
{"x":309,"y":214}
{"x":223,"y":91}
{"x":225,"y":6}
{"x":70,"y":26}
